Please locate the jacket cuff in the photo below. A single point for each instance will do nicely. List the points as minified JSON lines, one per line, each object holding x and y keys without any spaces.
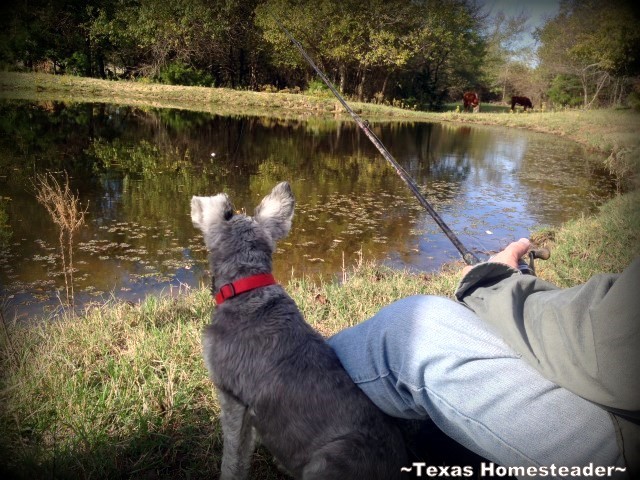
{"x":484,"y":274}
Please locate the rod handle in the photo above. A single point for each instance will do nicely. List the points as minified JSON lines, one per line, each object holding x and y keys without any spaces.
{"x":541,"y":253}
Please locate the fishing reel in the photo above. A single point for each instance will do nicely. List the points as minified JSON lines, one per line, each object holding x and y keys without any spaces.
{"x":529,"y":268}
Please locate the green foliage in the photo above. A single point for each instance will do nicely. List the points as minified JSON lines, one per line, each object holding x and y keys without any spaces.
{"x":594,"y":41}
{"x":430,"y":50}
{"x":318,"y":87}
{"x":178,"y":73}
{"x":634,"y":100}
{"x":565,"y":90}
{"x":77,"y":64}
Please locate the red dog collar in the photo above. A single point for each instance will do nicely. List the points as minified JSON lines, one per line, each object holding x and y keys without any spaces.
{"x":243,"y":285}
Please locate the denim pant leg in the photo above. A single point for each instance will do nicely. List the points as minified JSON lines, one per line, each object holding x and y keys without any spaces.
{"x":430,"y":357}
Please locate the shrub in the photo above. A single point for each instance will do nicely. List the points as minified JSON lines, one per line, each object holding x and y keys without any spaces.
{"x":317,"y":87}
{"x":634,"y":101}
{"x":178,"y":73}
{"x":565,"y":90}
{"x":77,"y":64}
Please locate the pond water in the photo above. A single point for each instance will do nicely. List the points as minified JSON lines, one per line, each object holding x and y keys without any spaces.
{"x":137,"y":169}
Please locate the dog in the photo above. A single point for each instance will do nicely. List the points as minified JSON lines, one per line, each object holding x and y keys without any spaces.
{"x":274,"y":374}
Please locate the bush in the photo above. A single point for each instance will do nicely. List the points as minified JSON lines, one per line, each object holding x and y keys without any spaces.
{"x":634,"y":101}
{"x":178,"y":73}
{"x":565,"y":90}
{"x":317,"y":87}
{"x":77,"y":64}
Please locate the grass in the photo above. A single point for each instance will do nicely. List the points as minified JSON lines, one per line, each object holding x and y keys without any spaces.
{"x":120,"y":390}
{"x":602,"y":243}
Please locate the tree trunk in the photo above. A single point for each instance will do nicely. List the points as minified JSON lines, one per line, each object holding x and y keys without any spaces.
{"x":100,"y":65}
{"x":383,"y":90}
{"x":363,"y":78}
{"x":87,"y":46}
{"x":585,"y":91}
{"x":604,"y":77}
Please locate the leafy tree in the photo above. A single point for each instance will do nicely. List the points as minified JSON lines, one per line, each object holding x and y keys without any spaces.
{"x":597,"y":42}
{"x":507,"y":55}
{"x":358,"y":44}
{"x":447,"y":50}
{"x":55,"y":31}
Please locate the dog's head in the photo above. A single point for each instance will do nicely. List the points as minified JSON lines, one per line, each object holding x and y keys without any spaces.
{"x":239,"y":244}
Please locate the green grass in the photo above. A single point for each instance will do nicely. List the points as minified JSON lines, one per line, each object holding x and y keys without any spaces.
{"x":602,"y":243}
{"x":121,"y":390}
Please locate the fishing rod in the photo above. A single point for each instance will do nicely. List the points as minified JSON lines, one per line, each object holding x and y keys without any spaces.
{"x":467,"y":256}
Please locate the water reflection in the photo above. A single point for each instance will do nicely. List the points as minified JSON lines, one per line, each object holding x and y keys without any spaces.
{"x":139,"y":168}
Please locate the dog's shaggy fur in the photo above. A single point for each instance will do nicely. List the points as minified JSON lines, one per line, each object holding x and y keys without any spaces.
{"x":274,"y":374}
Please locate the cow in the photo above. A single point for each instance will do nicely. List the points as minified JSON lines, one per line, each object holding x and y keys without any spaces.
{"x":523,"y":101}
{"x":471,"y":102}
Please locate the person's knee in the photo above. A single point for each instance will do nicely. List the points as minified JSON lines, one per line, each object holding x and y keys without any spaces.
{"x":414,"y":331}
{"x":396,"y":327}
{"x":418,"y":316}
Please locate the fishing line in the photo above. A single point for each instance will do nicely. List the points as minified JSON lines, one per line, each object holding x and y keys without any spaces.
{"x":468,"y":256}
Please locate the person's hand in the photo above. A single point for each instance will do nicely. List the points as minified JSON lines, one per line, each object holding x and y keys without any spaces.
{"x":509,"y":255}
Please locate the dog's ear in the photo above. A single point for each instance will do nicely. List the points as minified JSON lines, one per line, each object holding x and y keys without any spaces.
{"x":208,"y":213}
{"x":276,"y":211}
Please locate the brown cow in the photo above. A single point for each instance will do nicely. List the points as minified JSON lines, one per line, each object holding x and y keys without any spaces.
{"x":471,"y":102}
{"x":524,"y":101}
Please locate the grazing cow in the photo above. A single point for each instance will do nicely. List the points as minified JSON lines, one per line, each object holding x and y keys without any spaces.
{"x":471,"y":102}
{"x":523,"y":101}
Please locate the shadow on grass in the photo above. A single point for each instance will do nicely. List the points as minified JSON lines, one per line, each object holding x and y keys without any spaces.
{"x":187,"y":451}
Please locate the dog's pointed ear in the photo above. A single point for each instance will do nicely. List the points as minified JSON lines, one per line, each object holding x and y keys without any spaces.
{"x":209,"y":213}
{"x":276,"y":211}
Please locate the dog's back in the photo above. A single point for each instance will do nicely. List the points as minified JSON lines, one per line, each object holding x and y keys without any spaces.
{"x":273,"y":371}
{"x":306,"y":409}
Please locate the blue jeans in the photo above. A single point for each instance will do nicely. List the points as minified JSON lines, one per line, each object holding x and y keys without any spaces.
{"x":427,"y":357}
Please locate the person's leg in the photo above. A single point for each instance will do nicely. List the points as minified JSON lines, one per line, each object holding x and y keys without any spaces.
{"x":430,"y":357}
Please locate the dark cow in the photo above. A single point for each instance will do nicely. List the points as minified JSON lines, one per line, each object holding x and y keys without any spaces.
{"x":471,"y":102}
{"x":523,"y":101}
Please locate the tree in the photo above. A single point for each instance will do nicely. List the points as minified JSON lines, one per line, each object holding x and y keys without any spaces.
{"x":349,"y":40}
{"x":447,"y":50}
{"x":595,"y":42}
{"x":506,"y":55}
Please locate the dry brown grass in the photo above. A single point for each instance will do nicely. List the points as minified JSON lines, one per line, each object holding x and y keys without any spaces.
{"x":65,"y":210}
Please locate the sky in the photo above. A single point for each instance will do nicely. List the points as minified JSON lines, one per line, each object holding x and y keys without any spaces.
{"x":536,"y":10}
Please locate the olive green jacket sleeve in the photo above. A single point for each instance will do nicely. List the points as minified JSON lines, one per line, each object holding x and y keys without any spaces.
{"x":585,"y":338}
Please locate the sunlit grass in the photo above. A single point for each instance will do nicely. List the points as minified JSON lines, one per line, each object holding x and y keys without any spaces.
{"x":602,"y":243}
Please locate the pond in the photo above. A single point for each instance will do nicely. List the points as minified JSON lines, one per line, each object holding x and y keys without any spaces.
{"x":136,"y":170}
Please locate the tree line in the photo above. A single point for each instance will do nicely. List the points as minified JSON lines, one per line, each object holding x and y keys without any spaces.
{"x":419,"y":53}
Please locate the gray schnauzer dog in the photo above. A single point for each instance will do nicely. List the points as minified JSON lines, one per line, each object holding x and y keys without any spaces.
{"x":275,"y":375}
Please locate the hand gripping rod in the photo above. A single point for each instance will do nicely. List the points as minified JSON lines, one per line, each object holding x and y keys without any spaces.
{"x":468,"y":257}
